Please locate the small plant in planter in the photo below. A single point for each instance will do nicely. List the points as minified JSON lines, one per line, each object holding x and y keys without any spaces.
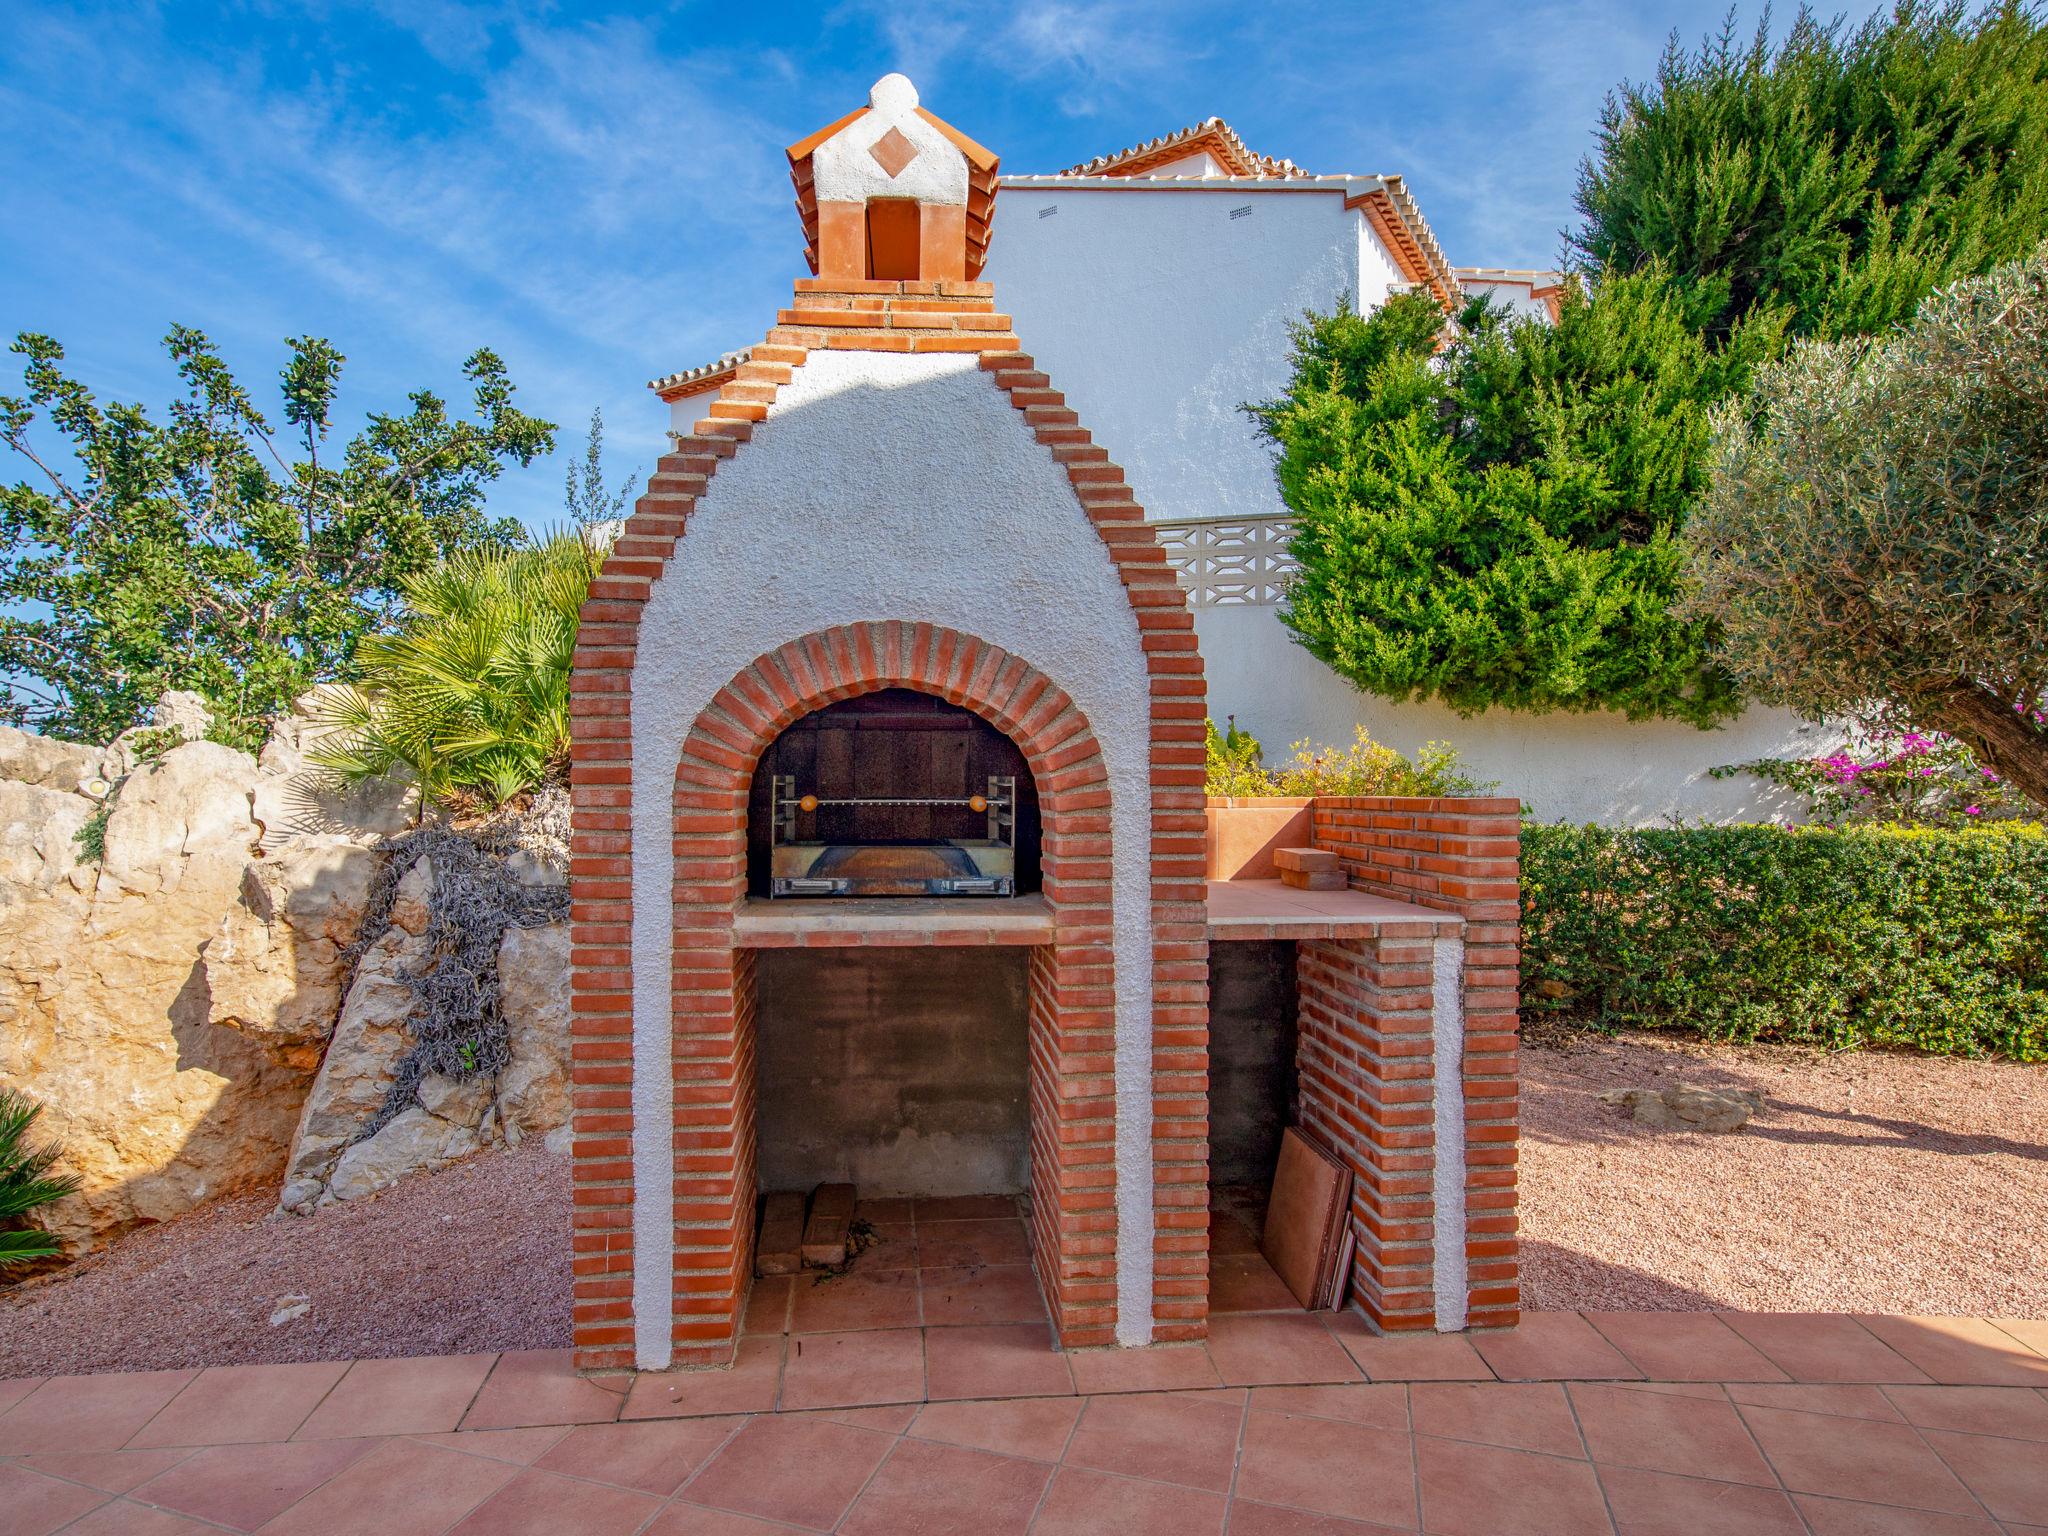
{"x":26,"y":1182}
{"x":1236,"y":766}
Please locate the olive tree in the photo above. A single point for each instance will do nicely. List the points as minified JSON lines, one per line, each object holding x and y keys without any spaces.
{"x":1875,"y":536}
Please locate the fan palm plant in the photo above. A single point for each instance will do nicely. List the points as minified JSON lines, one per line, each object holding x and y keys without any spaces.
{"x":472,"y":691}
{"x":26,"y":1182}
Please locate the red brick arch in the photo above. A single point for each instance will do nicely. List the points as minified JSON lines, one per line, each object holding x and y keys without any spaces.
{"x":1072,"y":1028}
{"x":776,"y":690}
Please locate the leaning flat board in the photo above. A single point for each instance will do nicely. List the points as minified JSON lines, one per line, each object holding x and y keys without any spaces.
{"x":825,"y":1233}
{"x":1340,"y":1277}
{"x":1310,"y":1189}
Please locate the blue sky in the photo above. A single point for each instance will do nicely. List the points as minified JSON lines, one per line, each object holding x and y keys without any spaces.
{"x":599,"y":193}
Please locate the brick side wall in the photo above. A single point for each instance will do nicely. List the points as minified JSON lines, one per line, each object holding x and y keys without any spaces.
{"x":1460,"y":855}
{"x":1365,"y":1059}
{"x":712,"y":994}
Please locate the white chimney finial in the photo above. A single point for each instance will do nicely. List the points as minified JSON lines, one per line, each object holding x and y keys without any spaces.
{"x":893,"y":93}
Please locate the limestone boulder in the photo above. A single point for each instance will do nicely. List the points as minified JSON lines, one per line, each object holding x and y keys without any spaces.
{"x":39,"y":845}
{"x":179,"y":716}
{"x":296,"y":797}
{"x":190,"y":805}
{"x":46,"y":763}
{"x":1686,"y":1107}
{"x":104,"y":1016}
{"x":533,"y":996}
{"x":463,"y":1101}
{"x":169,"y":1003}
{"x":369,"y":1040}
{"x":277,"y":965}
{"x":413,"y":1142}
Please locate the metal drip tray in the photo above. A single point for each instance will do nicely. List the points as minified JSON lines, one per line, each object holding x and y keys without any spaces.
{"x":956,"y":868}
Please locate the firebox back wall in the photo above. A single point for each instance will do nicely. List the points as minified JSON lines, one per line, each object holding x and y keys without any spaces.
{"x":900,"y":1071}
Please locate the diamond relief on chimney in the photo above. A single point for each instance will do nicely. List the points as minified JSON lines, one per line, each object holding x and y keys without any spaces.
{"x":892,"y":152}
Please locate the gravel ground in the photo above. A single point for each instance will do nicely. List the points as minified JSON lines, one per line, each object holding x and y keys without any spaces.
{"x":472,"y":1259}
{"x":1871,"y":1182}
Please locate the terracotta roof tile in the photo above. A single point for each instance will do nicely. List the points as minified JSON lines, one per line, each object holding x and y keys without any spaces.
{"x":704,"y":376}
{"x":1213,"y":134}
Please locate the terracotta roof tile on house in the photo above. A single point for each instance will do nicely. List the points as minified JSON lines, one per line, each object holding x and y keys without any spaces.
{"x":1211,"y":134}
{"x":702,"y":377}
{"x":1391,"y":210}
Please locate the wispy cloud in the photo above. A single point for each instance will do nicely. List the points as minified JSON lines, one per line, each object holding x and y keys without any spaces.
{"x":1085,"y":55}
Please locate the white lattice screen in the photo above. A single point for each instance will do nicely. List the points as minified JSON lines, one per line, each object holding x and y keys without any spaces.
{"x":1229,"y":561}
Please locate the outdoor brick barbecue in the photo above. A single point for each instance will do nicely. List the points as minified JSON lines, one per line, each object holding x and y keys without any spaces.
{"x":889,"y":495}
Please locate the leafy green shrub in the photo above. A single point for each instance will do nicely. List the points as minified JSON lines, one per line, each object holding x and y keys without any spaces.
{"x":1235,"y":763}
{"x":1856,"y":936}
{"x":1366,"y":767}
{"x":472,"y":692}
{"x":1486,"y":512}
{"x":91,"y":837}
{"x":220,"y":548}
{"x":26,"y":1182}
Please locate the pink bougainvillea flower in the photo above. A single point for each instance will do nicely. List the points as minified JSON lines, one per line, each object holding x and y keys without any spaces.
{"x":1973,"y":810}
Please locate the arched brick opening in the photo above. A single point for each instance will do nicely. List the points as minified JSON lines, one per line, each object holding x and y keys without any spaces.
{"x":1072,"y":1110}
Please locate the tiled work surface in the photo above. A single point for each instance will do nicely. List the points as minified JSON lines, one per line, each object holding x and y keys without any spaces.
{"x":1238,"y":909}
{"x":1267,"y":909}
{"x":1281,"y":1426}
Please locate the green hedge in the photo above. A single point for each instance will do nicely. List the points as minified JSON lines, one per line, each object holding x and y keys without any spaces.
{"x":1863,"y":936}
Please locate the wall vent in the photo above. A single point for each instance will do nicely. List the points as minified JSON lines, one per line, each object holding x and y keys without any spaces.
{"x":1046,"y":213}
{"x":1242,"y":213}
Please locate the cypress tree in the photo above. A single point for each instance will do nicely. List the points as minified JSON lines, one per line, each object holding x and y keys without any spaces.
{"x":1840,"y":176}
{"x":1487,"y":512}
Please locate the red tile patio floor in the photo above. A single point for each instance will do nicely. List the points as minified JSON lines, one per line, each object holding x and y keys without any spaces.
{"x":945,"y":1304}
{"x":1281,"y":1425}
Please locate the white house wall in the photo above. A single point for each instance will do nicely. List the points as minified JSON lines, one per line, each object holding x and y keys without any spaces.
{"x":1517,"y":298}
{"x":1566,"y":767}
{"x":1159,"y":315}
{"x":887,"y":487}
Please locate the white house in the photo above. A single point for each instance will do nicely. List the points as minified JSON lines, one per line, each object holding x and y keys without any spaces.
{"x":1156,"y":286}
